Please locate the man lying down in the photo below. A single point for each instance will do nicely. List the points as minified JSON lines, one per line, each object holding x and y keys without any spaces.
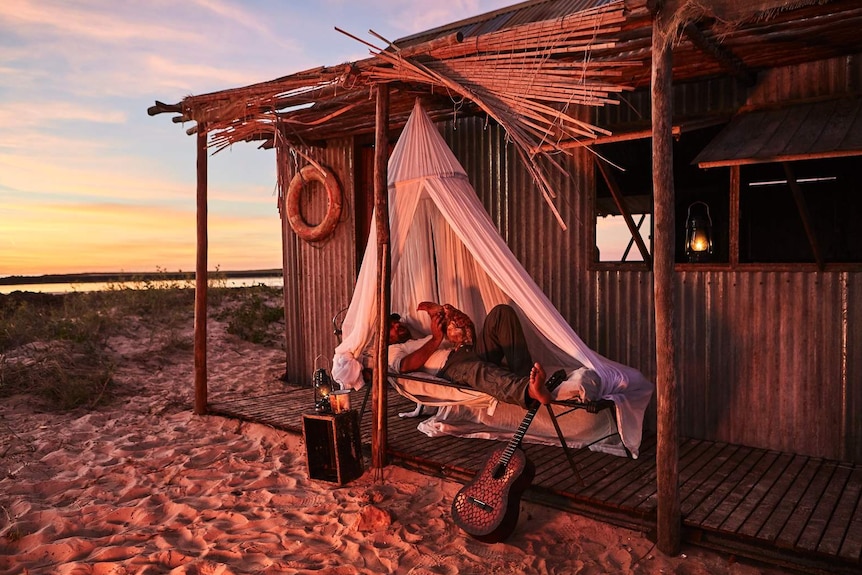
{"x":497,"y":362}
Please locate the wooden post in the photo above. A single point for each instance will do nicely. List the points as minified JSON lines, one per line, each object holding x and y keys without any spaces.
{"x":201,"y":278}
{"x":379,"y":401}
{"x":667,"y":449}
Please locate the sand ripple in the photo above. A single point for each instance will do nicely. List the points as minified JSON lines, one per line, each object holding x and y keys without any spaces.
{"x":145,"y":487}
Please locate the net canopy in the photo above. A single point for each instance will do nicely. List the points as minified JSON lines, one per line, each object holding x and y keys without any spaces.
{"x":446,"y":249}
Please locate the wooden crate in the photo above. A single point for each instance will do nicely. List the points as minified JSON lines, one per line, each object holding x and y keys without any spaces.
{"x":333,"y":447}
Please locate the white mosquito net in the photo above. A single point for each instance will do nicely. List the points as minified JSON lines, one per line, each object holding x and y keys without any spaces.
{"x":446,"y":249}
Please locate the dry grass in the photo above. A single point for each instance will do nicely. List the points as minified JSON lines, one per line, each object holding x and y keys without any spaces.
{"x":55,"y":347}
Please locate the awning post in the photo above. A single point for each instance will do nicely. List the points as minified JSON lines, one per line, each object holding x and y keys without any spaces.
{"x":201,"y":277}
{"x":669,"y":522}
{"x":379,"y":403}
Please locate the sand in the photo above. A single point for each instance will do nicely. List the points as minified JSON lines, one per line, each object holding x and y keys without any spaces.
{"x":144,"y":486}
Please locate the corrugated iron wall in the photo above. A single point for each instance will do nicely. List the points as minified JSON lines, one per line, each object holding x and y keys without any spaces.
{"x":818,"y":79}
{"x":715,"y":97}
{"x":770,"y":359}
{"x":767,"y":359}
{"x":319,"y":277}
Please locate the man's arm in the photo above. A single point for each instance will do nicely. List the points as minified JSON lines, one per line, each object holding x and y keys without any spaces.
{"x":416,"y":359}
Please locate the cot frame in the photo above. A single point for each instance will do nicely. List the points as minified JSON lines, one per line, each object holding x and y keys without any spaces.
{"x":571,"y":405}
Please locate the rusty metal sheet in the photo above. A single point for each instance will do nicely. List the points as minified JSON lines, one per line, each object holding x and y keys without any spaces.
{"x":319,"y":277}
{"x":508,"y":17}
{"x":803,"y":131}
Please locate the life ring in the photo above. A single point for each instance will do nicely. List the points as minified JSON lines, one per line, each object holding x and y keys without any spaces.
{"x":333,"y":203}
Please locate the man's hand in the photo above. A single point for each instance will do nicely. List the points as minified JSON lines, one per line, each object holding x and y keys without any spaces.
{"x":414,"y":361}
{"x":438,"y":322}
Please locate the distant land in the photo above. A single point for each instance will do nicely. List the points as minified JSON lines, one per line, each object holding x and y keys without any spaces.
{"x":130,"y":277}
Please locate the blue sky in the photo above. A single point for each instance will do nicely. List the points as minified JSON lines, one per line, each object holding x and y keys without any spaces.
{"x":89,"y":182}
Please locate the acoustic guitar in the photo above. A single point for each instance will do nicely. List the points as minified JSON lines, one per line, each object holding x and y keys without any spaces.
{"x":487,"y":508}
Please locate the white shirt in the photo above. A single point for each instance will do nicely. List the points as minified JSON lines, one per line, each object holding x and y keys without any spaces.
{"x":398,"y":351}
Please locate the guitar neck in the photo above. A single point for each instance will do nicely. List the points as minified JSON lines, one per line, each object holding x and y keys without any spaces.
{"x":516,"y":440}
{"x":553,"y":382}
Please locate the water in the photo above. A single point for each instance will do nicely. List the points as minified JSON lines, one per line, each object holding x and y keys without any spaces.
{"x":57,"y":288}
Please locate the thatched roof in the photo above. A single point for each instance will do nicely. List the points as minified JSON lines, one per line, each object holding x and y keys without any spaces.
{"x":532,"y":67}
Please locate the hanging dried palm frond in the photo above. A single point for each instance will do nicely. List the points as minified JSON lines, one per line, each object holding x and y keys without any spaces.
{"x":526,"y":78}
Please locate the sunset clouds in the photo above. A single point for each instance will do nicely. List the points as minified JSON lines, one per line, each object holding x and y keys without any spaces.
{"x":90,"y":182}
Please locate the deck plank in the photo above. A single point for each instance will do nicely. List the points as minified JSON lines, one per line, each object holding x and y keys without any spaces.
{"x":707,"y":484}
{"x":851,"y":549}
{"x":804,"y":509}
{"x":551,"y":465}
{"x":690,"y":454}
{"x":790,"y":502}
{"x":550,"y":462}
{"x":637,"y":491}
{"x":782,"y":512}
{"x":815,"y":527}
{"x":756,"y":494}
{"x":726,"y":490}
{"x":610,"y":474}
{"x":758,"y":518}
{"x":569,"y":482}
{"x":840,"y":522}
{"x":637,"y":474}
{"x":741,"y":491}
{"x":469,"y":455}
{"x":634,"y":475}
{"x":699,"y":471}
{"x":445,"y":447}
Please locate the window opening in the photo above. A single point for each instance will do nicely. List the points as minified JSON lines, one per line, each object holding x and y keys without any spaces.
{"x":805,"y":211}
{"x":623,"y":207}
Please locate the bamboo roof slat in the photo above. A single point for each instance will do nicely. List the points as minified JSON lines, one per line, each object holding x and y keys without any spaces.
{"x":515,"y":102}
{"x":523,"y":66}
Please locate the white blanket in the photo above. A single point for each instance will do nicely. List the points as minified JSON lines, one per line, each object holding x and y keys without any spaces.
{"x":465,"y":412}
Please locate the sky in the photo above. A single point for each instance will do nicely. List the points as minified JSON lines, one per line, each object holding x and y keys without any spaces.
{"x":89,"y":182}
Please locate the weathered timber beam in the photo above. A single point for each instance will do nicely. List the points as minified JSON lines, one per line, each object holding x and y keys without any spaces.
{"x":619,"y":137}
{"x":200,"y":322}
{"x":162,"y":108}
{"x":425,"y":47}
{"x":726,"y":58}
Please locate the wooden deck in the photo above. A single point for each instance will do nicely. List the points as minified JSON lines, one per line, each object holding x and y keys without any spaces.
{"x":803,"y":513}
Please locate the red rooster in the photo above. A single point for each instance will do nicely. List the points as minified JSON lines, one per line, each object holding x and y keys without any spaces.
{"x":457,"y":325}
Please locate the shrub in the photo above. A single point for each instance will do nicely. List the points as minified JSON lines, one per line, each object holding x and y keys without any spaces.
{"x":54,"y":347}
{"x":257,"y":315}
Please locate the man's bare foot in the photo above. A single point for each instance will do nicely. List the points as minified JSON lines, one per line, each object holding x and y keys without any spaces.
{"x":537,"y":389}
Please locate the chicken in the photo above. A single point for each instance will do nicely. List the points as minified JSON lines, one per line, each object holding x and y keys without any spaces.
{"x":457,"y":326}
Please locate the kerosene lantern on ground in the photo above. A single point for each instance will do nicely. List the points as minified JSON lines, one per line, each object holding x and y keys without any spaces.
{"x":322,"y":388}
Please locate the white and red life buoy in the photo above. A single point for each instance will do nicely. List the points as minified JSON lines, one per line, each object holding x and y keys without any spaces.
{"x":334,"y":202}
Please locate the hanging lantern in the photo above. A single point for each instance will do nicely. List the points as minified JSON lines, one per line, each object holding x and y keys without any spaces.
{"x":698,"y":232}
{"x":322,"y":389}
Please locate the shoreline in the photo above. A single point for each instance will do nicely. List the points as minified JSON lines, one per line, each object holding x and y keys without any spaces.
{"x":95,"y":277}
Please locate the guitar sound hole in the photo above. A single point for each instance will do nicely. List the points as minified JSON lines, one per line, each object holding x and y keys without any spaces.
{"x":499,"y":471}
